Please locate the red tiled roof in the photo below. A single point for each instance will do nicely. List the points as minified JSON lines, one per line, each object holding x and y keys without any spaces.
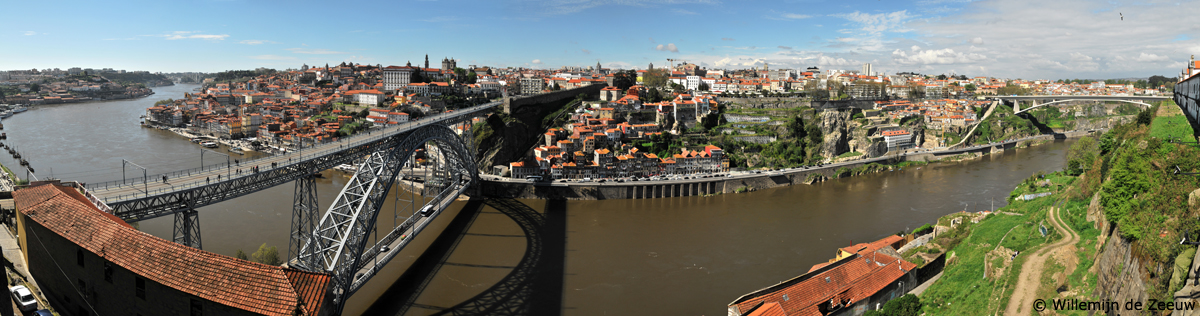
{"x":769,"y":309}
{"x":849,"y":280}
{"x":236,"y":283}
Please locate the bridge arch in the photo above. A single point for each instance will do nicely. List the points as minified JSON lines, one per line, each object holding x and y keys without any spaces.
{"x":338,"y":244}
{"x":1019,"y":111}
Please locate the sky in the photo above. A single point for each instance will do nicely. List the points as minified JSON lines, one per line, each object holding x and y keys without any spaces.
{"x":1029,"y":39}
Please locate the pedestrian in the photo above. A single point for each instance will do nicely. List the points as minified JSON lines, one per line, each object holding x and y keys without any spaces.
{"x":206,"y":180}
{"x":164,"y":178}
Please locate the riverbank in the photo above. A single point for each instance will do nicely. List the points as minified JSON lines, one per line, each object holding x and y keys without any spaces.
{"x":748,"y":181}
{"x":239,"y":144}
{"x":1110,"y":231}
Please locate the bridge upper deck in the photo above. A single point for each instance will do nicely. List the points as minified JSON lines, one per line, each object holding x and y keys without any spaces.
{"x":152,"y":197}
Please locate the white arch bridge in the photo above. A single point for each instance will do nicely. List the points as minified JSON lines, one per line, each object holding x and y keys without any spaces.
{"x":1057,"y":99}
{"x":335,"y":241}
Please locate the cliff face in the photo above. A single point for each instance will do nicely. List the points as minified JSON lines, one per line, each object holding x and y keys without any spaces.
{"x":842,"y":134}
{"x":1119,"y":271}
{"x":507,"y":143}
{"x":509,"y":137}
{"x":835,"y":128}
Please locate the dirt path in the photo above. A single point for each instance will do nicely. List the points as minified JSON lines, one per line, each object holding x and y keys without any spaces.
{"x":1021,"y":302}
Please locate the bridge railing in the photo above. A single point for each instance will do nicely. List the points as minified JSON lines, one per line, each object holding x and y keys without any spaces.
{"x":354,"y":141}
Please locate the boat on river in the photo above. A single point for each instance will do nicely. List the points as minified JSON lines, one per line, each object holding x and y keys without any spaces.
{"x":209,"y":144}
{"x":346,"y":168}
{"x":237,"y":151}
{"x":20,"y":109}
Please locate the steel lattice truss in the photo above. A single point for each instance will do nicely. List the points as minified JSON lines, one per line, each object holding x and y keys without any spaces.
{"x":338,"y":242}
{"x":304,"y":214}
{"x":177,"y":201}
{"x":180,"y":200}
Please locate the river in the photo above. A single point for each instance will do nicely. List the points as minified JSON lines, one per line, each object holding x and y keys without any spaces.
{"x":679,"y":256}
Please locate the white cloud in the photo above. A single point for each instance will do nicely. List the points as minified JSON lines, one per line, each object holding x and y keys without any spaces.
{"x":1071,"y":38}
{"x":935,"y":57}
{"x":257,"y":42}
{"x":835,"y":61}
{"x":585,"y":51}
{"x":319,"y":51}
{"x":1144,"y":57}
{"x":669,"y":48}
{"x":878,"y":23}
{"x":178,"y":35}
{"x":684,"y":12}
{"x":727,"y":39}
{"x":795,"y":16}
{"x":537,"y":61}
{"x":30,"y":33}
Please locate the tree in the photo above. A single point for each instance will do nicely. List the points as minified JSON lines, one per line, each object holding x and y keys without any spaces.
{"x":472,"y":77}
{"x":35,"y":87}
{"x":267,"y":255}
{"x":970,"y":87}
{"x":241,"y":255}
{"x":555,"y":87}
{"x":1145,"y":116}
{"x":703,"y":86}
{"x":655,"y":78}
{"x":1081,"y":154}
{"x":417,"y":77}
{"x":678,"y":88}
{"x":941,"y":77}
{"x":907,"y":305}
{"x":625,"y":79}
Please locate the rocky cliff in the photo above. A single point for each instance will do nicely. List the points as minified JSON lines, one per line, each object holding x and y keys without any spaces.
{"x":842,"y":134}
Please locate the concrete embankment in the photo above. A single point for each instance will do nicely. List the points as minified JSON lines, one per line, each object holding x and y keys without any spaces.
{"x":660,"y":189}
{"x":723,"y":185}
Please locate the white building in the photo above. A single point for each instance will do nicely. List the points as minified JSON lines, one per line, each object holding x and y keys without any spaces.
{"x":898,"y":140}
{"x":366,"y":97}
{"x":397,"y":77}
{"x":532,"y":85}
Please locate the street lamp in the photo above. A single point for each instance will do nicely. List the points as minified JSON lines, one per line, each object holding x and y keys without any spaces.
{"x":227,"y":164}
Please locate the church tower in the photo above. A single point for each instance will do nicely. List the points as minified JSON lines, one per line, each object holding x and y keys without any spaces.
{"x":426,"y":60}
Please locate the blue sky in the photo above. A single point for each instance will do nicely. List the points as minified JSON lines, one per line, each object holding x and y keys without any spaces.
{"x":1014,"y":38}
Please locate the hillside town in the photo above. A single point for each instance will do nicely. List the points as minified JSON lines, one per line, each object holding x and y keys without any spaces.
{"x":52,"y":86}
{"x":598,"y":139}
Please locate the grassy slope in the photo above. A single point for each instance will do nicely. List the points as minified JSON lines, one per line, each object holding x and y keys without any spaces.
{"x":1140,"y":195}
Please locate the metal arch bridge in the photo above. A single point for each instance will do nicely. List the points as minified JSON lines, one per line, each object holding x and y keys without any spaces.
{"x":337,"y":242}
{"x":1054,"y":99}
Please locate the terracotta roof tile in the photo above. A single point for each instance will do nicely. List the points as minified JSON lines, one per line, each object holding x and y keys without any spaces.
{"x":237,"y":283}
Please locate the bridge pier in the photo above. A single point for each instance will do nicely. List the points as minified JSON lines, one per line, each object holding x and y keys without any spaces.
{"x":304,"y":218}
{"x":187,"y":228}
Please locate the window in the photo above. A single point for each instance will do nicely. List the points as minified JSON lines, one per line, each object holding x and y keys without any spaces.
{"x":108,"y":270}
{"x":197,"y":307}
{"x":141,"y":288}
{"x":82,"y":285}
{"x":79,"y":256}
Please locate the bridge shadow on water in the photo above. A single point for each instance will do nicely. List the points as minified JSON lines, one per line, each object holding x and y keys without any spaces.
{"x":533,"y":287}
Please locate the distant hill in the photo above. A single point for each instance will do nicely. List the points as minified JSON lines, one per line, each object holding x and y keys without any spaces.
{"x":147,"y":78}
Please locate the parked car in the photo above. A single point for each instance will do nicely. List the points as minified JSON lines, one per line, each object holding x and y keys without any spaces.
{"x":23,"y":297}
{"x":43,"y":312}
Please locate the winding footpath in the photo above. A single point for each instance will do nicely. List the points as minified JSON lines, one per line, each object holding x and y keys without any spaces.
{"x":1028,"y":283}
